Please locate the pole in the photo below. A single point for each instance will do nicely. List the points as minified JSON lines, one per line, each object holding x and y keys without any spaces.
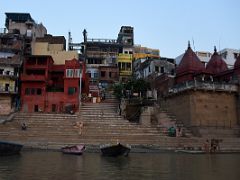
{"x":80,"y":91}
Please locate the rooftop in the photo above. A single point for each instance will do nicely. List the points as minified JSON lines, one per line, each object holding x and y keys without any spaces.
{"x":18,"y":17}
{"x":52,"y":39}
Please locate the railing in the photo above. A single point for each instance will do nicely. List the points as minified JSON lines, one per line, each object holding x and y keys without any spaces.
{"x":11,"y":75}
{"x":102,"y":40}
{"x":3,"y":31}
{"x":9,"y":90}
{"x":26,"y":77}
{"x":16,"y":46}
{"x":125,"y":73}
{"x":97,"y":54}
{"x":212,"y":86}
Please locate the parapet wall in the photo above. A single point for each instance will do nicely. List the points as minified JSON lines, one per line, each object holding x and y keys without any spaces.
{"x":197,"y":108}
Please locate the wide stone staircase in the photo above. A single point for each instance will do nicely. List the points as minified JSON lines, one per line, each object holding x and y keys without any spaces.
{"x":102,"y":124}
{"x":46,"y":131}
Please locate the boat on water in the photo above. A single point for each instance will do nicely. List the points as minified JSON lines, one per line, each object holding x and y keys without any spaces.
{"x":190,"y":151}
{"x":75,"y":150}
{"x":9,"y":148}
{"x":115,"y":150}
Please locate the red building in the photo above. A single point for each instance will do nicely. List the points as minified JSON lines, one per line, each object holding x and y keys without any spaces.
{"x":51,"y":88}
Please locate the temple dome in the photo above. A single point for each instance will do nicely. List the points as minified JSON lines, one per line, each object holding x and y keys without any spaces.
{"x":190,"y":63}
{"x":216,"y":64}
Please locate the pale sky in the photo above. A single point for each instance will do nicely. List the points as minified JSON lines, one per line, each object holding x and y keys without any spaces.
{"x":164,"y":25}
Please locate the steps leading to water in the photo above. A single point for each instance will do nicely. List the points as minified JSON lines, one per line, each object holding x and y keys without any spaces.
{"x":101,"y":125}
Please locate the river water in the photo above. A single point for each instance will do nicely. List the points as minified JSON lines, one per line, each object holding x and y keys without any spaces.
{"x":34,"y":165}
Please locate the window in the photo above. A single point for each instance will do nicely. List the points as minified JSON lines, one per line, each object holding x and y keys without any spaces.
{"x":110,"y":74}
{"x":124,"y":66}
{"x":156,"y":69}
{"x":129,"y":66}
{"x":77,"y":73}
{"x":119,"y":66}
{"x":69,"y":72}
{"x":1,"y":71}
{"x":39,"y":91}
{"x":103,"y":73}
{"x":72,"y":90}
{"x":27,"y":91}
{"x":32,"y":91}
{"x":149,"y":69}
{"x":162,"y":69}
{"x":6,"y":87}
{"x":95,"y":75}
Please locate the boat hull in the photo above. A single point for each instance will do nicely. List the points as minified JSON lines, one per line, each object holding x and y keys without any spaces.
{"x":9,"y":148}
{"x":74,"y":150}
{"x":115,"y":150}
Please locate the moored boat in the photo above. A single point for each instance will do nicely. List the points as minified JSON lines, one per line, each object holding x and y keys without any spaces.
{"x":115,"y":150}
{"x":9,"y":148}
{"x":190,"y":151}
{"x":75,"y":150}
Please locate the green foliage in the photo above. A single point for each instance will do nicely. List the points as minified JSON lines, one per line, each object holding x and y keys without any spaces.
{"x":133,"y":85}
{"x":140,"y":85}
{"x":118,"y":90}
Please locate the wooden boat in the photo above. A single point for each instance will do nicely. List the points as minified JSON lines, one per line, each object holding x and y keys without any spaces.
{"x":76,"y":149}
{"x":190,"y":151}
{"x":115,"y":150}
{"x":9,"y":148}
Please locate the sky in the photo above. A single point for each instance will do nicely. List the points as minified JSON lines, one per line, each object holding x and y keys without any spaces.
{"x":166,"y":25}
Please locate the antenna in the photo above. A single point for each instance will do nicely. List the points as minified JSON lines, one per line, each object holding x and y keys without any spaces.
{"x":69,"y":40}
{"x":219,"y":43}
{"x":193,"y":44}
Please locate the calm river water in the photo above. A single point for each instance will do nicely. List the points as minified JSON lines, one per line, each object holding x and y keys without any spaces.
{"x":36,"y":165}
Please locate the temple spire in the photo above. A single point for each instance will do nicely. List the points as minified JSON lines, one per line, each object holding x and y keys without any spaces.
{"x":215,"y":49}
{"x":189,"y":45}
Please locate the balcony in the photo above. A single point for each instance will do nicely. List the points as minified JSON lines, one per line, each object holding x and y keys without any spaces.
{"x":124,"y":57}
{"x":17,"y":46}
{"x":8,"y":90}
{"x":32,"y":77}
{"x":10,"y":76}
{"x":208,"y":86}
{"x":125,"y":73}
{"x":101,"y":54}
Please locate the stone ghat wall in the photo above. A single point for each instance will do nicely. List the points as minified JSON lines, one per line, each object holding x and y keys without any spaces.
{"x":204,"y":108}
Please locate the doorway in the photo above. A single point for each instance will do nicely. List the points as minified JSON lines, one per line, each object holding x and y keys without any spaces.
{"x":36,"y":108}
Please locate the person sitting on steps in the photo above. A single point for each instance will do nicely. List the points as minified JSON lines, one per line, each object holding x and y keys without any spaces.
{"x":24,"y":126}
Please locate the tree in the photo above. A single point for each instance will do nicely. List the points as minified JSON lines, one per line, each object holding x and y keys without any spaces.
{"x":118,"y":90}
{"x":133,"y":85}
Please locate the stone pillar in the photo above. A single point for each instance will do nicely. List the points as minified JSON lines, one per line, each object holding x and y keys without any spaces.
{"x":145,"y":118}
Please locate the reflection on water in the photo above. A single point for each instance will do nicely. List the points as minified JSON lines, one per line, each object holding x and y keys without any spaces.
{"x":56,"y":166}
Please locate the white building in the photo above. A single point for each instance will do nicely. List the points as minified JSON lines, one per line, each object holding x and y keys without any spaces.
{"x":229,"y":55}
{"x":204,"y":56}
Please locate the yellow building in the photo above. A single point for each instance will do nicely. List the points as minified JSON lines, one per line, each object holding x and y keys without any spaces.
{"x":125,"y":66}
{"x":144,"y":52}
{"x":54,"y":46}
{"x":9,"y":73}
